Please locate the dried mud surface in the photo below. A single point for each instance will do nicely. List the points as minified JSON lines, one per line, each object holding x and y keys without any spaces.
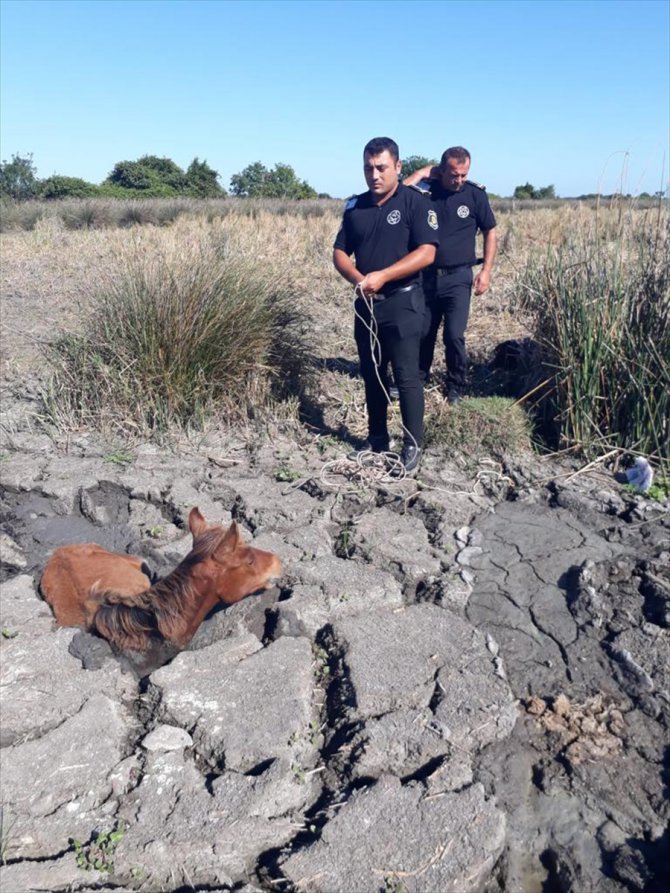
{"x":454,"y":687}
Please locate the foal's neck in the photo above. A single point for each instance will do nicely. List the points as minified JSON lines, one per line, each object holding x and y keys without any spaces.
{"x":191,"y":601}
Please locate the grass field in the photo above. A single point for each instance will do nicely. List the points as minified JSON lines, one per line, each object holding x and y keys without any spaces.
{"x":589,"y":284}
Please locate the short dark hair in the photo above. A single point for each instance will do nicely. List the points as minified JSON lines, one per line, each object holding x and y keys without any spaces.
{"x":382,"y":144}
{"x":457,"y":152}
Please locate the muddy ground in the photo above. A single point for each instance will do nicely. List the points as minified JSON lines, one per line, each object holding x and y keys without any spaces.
{"x":461,"y":682}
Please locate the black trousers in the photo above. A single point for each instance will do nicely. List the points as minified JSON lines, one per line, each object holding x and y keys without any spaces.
{"x":448,"y":300}
{"x":400,"y":323}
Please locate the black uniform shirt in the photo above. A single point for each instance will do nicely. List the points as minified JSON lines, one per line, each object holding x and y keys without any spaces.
{"x":460,"y":215}
{"x":380,"y":235}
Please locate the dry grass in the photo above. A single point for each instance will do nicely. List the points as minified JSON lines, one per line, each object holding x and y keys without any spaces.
{"x":51,"y":275}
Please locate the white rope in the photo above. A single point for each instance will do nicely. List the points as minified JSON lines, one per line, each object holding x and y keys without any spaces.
{"x":376,"y":353}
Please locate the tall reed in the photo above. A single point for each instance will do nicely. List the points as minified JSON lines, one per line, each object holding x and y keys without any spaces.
{"x":601,"y":305}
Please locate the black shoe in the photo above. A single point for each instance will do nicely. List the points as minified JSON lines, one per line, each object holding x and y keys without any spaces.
{"x":454,"y":396}
{"x":379,"y":444}
{"x":411,"y":458}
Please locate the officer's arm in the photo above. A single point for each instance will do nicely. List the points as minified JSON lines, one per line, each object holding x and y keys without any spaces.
{"x":490,"y":248}
{"x":416,"y":260}
{"x":345,"y":267}
{"x":424,"y":173}
{"x":483,"y":278}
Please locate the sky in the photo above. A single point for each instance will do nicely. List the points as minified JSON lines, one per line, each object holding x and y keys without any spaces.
{"x":572,"y":93}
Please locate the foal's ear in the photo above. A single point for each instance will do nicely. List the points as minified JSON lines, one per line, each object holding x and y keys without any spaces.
{"x":196,"y":522}
{"x":230,"y":540}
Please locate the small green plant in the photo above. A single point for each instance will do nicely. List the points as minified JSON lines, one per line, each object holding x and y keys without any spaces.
{"x":344,"y":547}
{"x":288,"y":475}
{"x":659,"y":491}
{"x":323,"y":443}
{"x":314,"y":733}
{"x":8,"y":633}
{"x":97,"y":855}
{"x":120,"y":457}
{"x":298,"y":773}
{"x":393,"y":884}
{"x":155,"y":531}
{"x":322,"y":669}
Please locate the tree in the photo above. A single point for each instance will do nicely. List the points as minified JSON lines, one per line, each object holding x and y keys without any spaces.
{"x":529,"y":191}
{"x":283,"y":183}
{"x":202,"y":180}
{"x":414,"y":163}
{"x":256,"y":181}
{"x":250,"y":183}
{"x":526,"y":191}
{"x":151,"y":175}
{"x":545,"y":192}
{"x":17,"y":178}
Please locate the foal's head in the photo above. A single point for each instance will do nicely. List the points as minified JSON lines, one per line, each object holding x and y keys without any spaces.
{"x":223,"y":565}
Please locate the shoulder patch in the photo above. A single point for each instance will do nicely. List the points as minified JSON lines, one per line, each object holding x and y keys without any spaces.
{"x":478,"y":185}
{"x":351,"y":203}
{"x":417,"y":187}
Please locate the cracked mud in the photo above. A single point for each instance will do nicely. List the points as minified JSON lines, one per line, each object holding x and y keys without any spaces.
{"x":447,"y":692}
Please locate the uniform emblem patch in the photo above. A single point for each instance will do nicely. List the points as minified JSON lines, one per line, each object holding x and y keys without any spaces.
{"x":432,"y":219}
{"x":463,"y":211}
{"x":393,"y":217}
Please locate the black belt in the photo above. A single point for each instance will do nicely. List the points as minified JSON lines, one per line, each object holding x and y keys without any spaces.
{"x":388,"y":293}
{"x":443,"y":271}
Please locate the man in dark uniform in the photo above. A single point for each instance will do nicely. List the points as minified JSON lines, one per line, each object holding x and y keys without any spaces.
{"x":462,"y":208}
{"x":392,"y":231}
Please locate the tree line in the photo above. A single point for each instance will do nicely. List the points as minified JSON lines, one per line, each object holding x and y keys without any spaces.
{"x":153,"y":177}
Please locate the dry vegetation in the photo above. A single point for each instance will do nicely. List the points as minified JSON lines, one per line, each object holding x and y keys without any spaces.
{"x":60,"y":278}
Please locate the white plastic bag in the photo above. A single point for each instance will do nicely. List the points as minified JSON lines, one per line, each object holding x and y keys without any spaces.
{"x":640,"y":475}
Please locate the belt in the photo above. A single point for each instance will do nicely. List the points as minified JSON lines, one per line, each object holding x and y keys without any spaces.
{"x":388,"y":293}
{"x":443,"y":271}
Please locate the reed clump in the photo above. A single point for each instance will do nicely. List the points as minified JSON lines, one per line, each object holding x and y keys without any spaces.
{"x":176,"y":338}
{"x":600,"y":302}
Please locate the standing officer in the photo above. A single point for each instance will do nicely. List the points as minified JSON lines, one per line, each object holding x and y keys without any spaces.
{"x":392,"y":231}
{"x":462,"y":208}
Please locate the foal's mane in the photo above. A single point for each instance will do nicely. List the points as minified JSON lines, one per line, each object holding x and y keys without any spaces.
{"x":132,"y":621}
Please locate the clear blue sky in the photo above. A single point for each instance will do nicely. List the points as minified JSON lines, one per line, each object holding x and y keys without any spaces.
{"x":547,"y":92}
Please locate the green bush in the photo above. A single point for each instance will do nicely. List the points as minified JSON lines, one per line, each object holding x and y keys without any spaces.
{"x":149,"y":175}
{"x":67,"y":187}
{"x":175,"y":340}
